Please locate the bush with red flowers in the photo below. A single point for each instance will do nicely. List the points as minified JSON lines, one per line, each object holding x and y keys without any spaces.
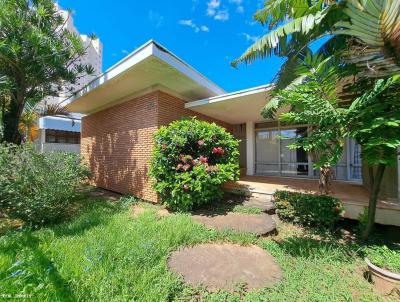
{"x":191,"y":160}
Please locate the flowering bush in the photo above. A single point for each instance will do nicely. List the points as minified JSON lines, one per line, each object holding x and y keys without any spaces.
{"x":191,"y":160}
{"x":37,"y":188}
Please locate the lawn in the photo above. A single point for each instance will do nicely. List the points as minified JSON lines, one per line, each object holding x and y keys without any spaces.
{"x":105,"y":253}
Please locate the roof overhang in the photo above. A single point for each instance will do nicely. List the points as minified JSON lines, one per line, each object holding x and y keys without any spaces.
{"x":237,"y":107}
{"x":149,"y":66}
{"x":60,"y":123}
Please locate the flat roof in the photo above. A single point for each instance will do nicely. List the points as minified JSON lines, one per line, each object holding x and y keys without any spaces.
{"x":149,"y":66}
{"x":236,"y":107}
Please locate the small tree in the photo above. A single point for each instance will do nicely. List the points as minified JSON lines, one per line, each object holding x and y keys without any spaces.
{"x":37,"y":56}
{"x":314,"y":103}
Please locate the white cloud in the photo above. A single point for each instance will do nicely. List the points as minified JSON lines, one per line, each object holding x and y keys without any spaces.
{"x":192,"y":25}
{"x":212,"y":7}
{"x":155,"y":18}
{"x":222,"y":15}
{"x":240,"y":9}
{"x":250,"y":38}
{"x":204,"y":28}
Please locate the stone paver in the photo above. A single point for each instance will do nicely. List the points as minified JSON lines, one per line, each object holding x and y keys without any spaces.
{"x":259,"y":224}
{"x":224,"y":266}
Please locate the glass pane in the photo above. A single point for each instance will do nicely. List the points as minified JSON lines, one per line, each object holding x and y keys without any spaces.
{"x":267,"y":152}
{"x":355,"y":161}
{"x":294,"y":161}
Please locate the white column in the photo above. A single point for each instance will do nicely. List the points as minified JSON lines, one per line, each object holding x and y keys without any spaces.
{"x":42,"y":139}
{"x":250,"y":148}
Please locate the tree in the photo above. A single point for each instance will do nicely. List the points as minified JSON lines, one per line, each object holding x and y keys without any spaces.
{"x":366,"y":31}
{"x":37,"y":56}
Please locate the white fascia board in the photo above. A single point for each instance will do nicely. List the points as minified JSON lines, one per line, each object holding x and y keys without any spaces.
{"x":132,"y":59}
{"x":230,"y":96}
{"x":170,"y":58}
{"x":60,"y":123}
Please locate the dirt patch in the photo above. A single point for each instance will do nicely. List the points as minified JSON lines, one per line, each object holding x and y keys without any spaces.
{"x":138,"y":209}
{"x":259,"y":224}
{"x":224,"y":266}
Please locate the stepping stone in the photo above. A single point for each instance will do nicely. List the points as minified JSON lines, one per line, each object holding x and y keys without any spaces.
{"x":258,"y":224}
{"x":223,"y":266}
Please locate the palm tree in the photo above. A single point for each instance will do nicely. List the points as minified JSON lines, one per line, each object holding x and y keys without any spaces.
{"x":369,"y":28}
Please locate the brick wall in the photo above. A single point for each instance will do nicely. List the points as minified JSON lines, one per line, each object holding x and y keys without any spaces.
{"x":117,"y":142}
{"x":171,"y":108}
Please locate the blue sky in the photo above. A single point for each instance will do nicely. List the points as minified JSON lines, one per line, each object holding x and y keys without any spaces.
{"x":207,"y":34}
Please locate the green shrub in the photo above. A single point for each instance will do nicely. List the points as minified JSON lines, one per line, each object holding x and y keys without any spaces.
{"x":308,"y":209}
{"x":37,"y":188}
{"x":191,"y":160}
{"x":384,"y":257}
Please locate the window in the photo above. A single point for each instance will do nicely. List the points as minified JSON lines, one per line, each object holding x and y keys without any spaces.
{"x":62,"y":137}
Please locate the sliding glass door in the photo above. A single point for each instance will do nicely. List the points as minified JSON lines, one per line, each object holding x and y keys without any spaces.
{"x":273,"y":157}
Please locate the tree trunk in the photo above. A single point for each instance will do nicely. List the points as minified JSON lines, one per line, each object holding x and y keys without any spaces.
{"x":376,"y":181}
{"x":11,"y":123}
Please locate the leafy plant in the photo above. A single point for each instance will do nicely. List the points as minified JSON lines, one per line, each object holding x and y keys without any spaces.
{"x":190,"y":162}
{"x":37,"y":188}
{"x":308,"y":209}
{"x":384,"y":257}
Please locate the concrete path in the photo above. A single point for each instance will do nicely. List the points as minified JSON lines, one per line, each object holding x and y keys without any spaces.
{"x":225,"y":266}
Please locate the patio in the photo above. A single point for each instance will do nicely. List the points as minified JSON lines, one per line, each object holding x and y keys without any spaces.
{"x":354,"y":196}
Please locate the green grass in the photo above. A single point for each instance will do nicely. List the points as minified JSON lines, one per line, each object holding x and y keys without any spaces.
{"x":104,"y":254}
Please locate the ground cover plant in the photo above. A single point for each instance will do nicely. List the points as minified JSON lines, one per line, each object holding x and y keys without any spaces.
{"x":191,"y":160}
{"x":105,"y":253}
{"x":307,"y":209}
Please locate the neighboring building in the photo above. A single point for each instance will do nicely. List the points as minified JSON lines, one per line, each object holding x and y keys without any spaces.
{"x":59,"y":134}
{"x":151,"y":87}
{"x":63,"y":129}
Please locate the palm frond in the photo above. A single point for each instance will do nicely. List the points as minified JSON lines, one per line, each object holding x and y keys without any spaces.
{"x":275,"y":41}
{"x":376,"y":26}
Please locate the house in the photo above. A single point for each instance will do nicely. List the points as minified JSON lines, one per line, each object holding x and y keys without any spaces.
{"x":151,"y":87}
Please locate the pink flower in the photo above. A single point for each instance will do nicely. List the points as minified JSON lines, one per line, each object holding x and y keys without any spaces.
{"x":201,"y":142}
{"x":179,"y":167}
{"x":203,"y":159}
{"x":215,"y":150}
{"x":186,"y":167}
